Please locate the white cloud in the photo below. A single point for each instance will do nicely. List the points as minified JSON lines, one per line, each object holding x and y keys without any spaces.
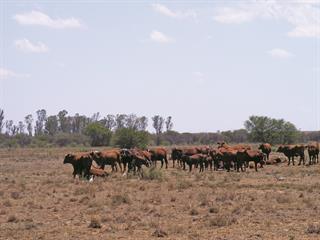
{"x":302,"y":15}
{"x":233,"y":15}
{"x":26,"y":46}
{"x":280,"y":53}
{"x":7,"y":73}
{"x":41,"y":19}
{"x":160,"y":8}
{"x":160,"y":37}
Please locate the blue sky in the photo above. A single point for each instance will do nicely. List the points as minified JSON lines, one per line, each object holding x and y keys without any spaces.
{"x":208,"y":65}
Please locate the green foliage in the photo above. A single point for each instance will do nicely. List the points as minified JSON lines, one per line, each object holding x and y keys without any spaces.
{"x":129,"y":138}
{"x":274,"y":131}
{"x":99,"y":135}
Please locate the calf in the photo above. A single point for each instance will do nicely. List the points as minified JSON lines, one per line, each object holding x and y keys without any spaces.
{"x":97,"y":172}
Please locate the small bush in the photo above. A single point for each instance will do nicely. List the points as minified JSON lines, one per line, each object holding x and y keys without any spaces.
{"x":120,"y":199}
{"x":95,"y":223}
{"x":213,"y":210}
{"x":15,"y":195}
{"x":282,"y":199}
{"x":159,"y":233}
{"x":222,"y":221}
{"x":13,"y":218}
{"x":7,"y":203}
{"x":183,"y":184}
{"x":313,"y":229}
{"x":153,"y":174}
{"x":194,"y":212}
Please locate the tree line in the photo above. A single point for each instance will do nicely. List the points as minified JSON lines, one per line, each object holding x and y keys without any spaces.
{"x":130,"y":130}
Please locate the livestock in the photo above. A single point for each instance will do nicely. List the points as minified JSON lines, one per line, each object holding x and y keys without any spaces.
{"x":196,"y":160}
{"x":290,"y":151}
{"x":81,"y":163}
{"x":247,"y":156}
{"x":265,"y":148}
{"x":135,"y":158}
{"x":159,"y":154}
{"x":97,"y":172}
{"x":107,"y":157}
{"x":313,"y":152}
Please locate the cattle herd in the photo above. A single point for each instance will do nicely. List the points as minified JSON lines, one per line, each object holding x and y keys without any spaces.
{"x":223,"y":157}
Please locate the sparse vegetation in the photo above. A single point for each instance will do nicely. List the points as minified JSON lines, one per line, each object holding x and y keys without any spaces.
{"x":166,"y":202}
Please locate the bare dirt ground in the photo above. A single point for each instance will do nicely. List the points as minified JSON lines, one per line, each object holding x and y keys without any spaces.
{"x":39,"y":199}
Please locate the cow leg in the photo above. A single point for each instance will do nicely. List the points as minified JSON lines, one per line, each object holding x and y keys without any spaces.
{"x":190,"y":167}
{"x":173,"y":163}
{"x":166,"y":161}
{"x":255,"y":166}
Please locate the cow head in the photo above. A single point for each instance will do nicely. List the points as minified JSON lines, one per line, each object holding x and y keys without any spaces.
{"x":68,"y":158}
{"x":280,"y":148}
{"x":125,"y":153}
{"x":96,"y":156}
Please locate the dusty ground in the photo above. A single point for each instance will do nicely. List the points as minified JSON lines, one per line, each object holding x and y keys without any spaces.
{"x":40,"y":200}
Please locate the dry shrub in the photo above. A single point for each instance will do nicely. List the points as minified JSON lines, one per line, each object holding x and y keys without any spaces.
{"x":225,"y":196}
{"x":13,"y":218}
{"x":213,"y":210}
{"x":119,"y":199}
{"x":29,"y":225}
{"x":194,"y":212}
{"x":283,"y":199}
{"x":203,"y":199}
{"x":95,"y":223}
{"x":159,"y":233}
{"x":222,"y":220}
{"x":7,"y":203}
{"x":313,"y":229}
{"x":152,"y":173}
{"x":183,"y":184}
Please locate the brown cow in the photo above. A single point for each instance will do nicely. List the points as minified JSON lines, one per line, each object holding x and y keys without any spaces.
{"x":81,"y":163}
{"x":313,"y":151}
{"x":107,"y":157}
{"x":266,"y":149}
{"x":235,"y":147}
{"x":247,"y":156}
{"x":159,"y":154}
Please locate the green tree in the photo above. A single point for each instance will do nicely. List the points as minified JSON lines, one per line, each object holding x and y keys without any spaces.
{"x":275,"y":131}
{"x":99,"y":135}
{"x":129,"y":138}
{"x":52,"y":125}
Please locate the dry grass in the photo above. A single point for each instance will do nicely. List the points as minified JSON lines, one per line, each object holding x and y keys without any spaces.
{"x":39,"y":199}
